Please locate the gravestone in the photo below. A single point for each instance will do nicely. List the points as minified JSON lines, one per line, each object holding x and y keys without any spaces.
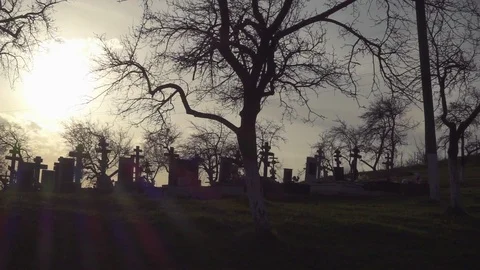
{"x":172,"y":178}
{"x":125,"y":172}
{"x":186,"y":172}
{"x":79,"y":155}
{"x":264,"y":156}
{"x":287,"y":175}
{"x":48,"y":180}
{"x":311,"y":170}
{"x":25,"y":176}
{"x":65,"y":170}
{"x":226,"y":166}
{"x":273,"y":171}
{"x":104,"y":183}
{"x":15,"y":156}
{"x":338,"y":172}
{"x":355,"y":156}
{"x":137,"y":158}
{"x":320,"y":157}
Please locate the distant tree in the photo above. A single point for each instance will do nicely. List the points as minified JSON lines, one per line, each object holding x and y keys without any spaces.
{"x":268,"y":131}
{"x":88,"y":133}
{"x":346,"y":137}
{"x":455,"y":44}
{"x":23,"y":25}
{"x":157,"y":142}
{"x":210,"y":142}
{"x":239,"y":53}
{"x":385,"y":127}
{"x":12,"y":134}
{"x":328,"y":144}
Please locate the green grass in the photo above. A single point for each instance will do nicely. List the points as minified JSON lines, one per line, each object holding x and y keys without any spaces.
{"x":132,"y":232}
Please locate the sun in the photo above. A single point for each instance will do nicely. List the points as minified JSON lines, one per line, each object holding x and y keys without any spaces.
{"x":58,"y":82}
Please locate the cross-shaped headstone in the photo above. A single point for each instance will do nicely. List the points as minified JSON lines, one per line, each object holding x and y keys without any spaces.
{"x":13,"y":158}
{"x":103,"y":150}
{"x":388,"y":162}
{"x":355,"y":157}
{"x":38,"y":166}
{"x":171,"y":161}
{"x":273,"y":171}
{"x":320,"y":156}
{"x":137,"y":158}
{"x":265,"y":153}
{"x":337,"y":157}
{"x":79,"y":155}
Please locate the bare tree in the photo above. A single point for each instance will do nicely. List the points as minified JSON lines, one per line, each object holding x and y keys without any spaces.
{"x":23,"y":25}
{"x":210,"y":142}
{"x":385,"y":128}
{"x":157,"y":142}
{"x":239,"y":53}
{"x":269,"y":132}
{"x":455,"y":42}
{"x":13,"y":135}
{"x":88,"y":133}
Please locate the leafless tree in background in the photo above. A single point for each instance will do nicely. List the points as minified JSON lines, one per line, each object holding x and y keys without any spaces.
{"x":24,"y":25}
{"x":88,"y":133}
{"x":239,"y":53}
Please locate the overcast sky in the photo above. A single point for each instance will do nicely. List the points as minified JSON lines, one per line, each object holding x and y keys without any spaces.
{"x":60,"y":73}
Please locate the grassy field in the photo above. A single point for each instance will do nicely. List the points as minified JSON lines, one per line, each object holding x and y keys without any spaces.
{"x":119,"y":231}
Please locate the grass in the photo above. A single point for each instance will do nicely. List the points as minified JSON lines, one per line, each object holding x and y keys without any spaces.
{"x":120,"y":231}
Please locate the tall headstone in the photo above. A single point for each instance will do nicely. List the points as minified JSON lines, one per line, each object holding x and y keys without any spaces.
{"x":355,"y":155}
{"x":311,"y":170}
{"x":137,"y":158}
{"x":79,"y":155}
{"x":48,"y":180}
{"x":103,"y":182}
{"x":338,"y":172}
{"x":14,"y":157}
{"x":186,"y":172}
{"x":66,"y":171}
{"x":38,"y":166}
{"x":25,"y":176}
{"x":264,"y":156}
{"x":287,"y":175}
{"x":172,"y":178}
{"x":125,"y":172}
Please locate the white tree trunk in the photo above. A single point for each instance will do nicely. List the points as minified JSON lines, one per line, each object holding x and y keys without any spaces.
{"x":255,"y":196}
{"x":433,"y":176}
{"x":454,"y":186}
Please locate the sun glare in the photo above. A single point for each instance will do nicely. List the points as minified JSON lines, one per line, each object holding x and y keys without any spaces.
{"x":58,"y":82}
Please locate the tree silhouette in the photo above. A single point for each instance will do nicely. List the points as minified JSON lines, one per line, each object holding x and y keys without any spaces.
{"x":23,"y":25}
{"x":239,"y":53}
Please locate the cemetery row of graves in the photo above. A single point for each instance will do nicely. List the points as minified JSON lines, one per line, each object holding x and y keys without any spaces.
{"x":133,"y":173}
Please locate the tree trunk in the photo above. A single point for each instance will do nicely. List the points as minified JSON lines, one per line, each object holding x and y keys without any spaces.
{"x":455,"y":204}
{"x":247,"y":144}
{"x":430,"y":136}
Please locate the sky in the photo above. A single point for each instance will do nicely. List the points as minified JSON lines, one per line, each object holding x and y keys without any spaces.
{"x":56,"y":85}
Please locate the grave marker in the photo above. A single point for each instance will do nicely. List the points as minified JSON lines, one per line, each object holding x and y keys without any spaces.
{"x":355,"y":157}
{"x":137,"y":158}
{"x":79,"y":155}
{"x":104,"y":182}
{"x":13,"y":159}
{"x":338,"y":173}
{"x":171,"y":166}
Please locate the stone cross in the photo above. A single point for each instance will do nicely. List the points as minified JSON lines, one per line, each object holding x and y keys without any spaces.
{"x":337,"y":157}
{"x":14,"y":158}
{"x":388,"y":162}
{"x":320,"y":156}
{"x":272,"y":169}
{"x":171,"y":170}
{"x":104,"y":160}
{"x":355,"y":157}
{"x":265,"y":153}
{"x":78,"y":154}
{"x":38,"y":166}
{"x":137,"y":158}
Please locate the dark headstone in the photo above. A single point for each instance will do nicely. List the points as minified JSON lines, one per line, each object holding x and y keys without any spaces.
{"x":125,"y":172}
{"x":66,"y":171}
{"x":26,"y":176}
{"x":186,"y":172}
{"x":48,"y":180}
{"x":338,"y":174}
{"x":287,"y":175}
